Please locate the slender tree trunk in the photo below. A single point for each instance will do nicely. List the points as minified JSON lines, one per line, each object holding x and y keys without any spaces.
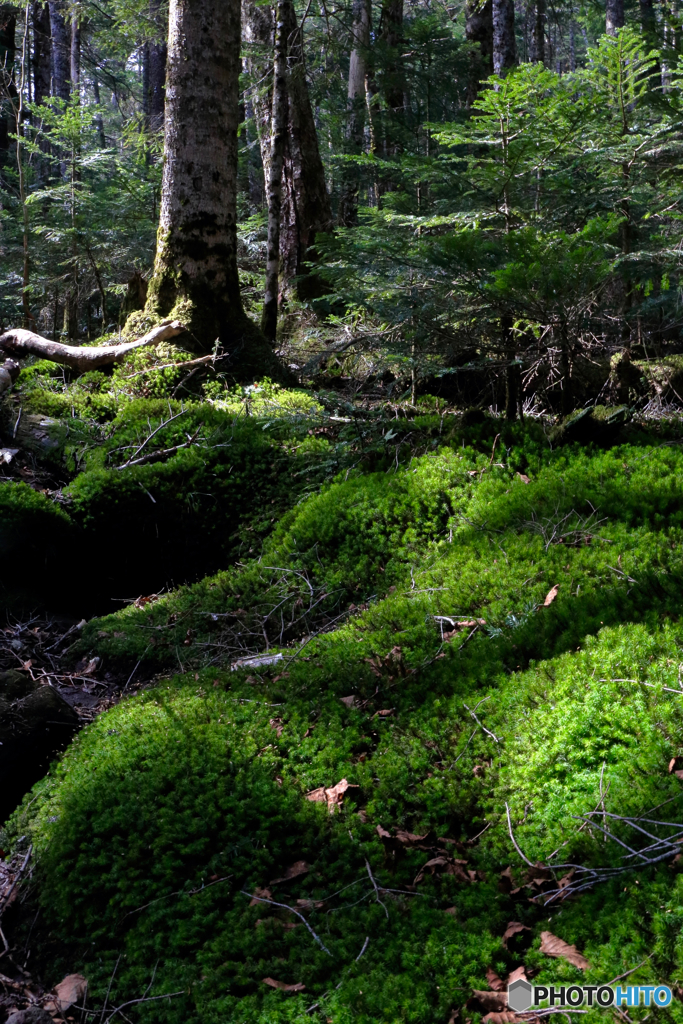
{"x":75,"y":56}
{"x":479,"y":31}
{"x":504,"y":50}
{"x":157,"y":51}
{"x":391,"y":35}
{"x":348,"y":201}
{"x":306,"y":209}
{"x":8,"y":92}
{"x":99,"y":123}
{"x":40,"y":16}
{"x":614,"y":16}
{"x":61,"y":51}
{"x":259,"y":36}
{"x":537,"y":40}
{"x":195,"y":271}
{"x":27,"y":315}
{"x":277,"y":151}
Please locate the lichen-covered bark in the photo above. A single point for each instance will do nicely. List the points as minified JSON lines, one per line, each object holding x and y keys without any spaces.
{"x":195,"y":275}
{"x":504,"y":49}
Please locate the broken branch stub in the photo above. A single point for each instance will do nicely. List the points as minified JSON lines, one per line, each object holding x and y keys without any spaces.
{"x":21,"y":343}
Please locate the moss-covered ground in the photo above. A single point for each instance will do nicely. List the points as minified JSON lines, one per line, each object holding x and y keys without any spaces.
{"x":470,"y":618}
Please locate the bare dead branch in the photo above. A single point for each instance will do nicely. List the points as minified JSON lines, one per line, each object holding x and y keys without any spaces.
{"x":21,"y":343}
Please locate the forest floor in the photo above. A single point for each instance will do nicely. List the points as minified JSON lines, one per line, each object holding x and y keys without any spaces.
{"x":380,"y":702}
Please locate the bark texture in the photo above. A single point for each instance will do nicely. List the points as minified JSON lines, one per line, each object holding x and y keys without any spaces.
{"x":504,"y":49}
{"x":61,"y":51}
{"x":40,"y":16}
{"x":20,"y":344}
{"x":479,"y":31}
{"x":306,"y":209}
{"x":614,"y":16}
{"x":358,"y":69}
{"x":8,"y":28}
{"x":277,"y":153}
{"x":75,"y":55}
{"x":195,"y":271}
{"x":537,"y":37}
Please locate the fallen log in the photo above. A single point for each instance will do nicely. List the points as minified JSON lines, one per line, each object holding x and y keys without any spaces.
{"x":21,"y":343}
{"x":9,"y":371}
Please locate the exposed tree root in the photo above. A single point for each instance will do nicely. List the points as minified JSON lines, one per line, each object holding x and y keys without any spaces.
{"x":21,"y":343}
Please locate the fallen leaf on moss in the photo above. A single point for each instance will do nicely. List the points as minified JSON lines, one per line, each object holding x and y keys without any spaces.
{"x":489,"y":1001}
{"x":332,"y":795}
{"x":349,"y":701}
{"x":552,"y":946}
{"x":524,"y":478}
{"x":264,"y":894}
{"x":516,"y":975}
{"x":70,"y":990}
{"x":551,"y":595}
{"x":496,"y":983}
{"x":283,"y":986}
{"x":299,"y":867}
{"x":514,"y":928}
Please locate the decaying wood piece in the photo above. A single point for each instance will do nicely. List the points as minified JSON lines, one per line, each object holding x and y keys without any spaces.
{"x":8,"y":374}
{"x":21,"y":343}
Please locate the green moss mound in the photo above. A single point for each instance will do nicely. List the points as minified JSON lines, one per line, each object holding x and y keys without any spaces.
{"x":172,"y":811}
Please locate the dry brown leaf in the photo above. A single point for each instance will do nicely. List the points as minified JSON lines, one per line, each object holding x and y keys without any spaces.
{"x":672,"y":764}
{"x":552,"y":946}
{"x":524,"y":478}
{"x":382,"y":832}
{"x":451,"y":910}
{"x":513,"y":928}
{"x":679,"y":774}
{"x":265,"y":894}
{"x":551,"y":595}
{"x":384,"y":713}
{"x":519,"y":972}
{"x":283,"y":986}
{"x":332,"y":796}
{"x":490,"y":1001}
{"x":496,"y":983}
{"x":409,"y":838}
{"x":70,"y":990}
{"x":299,"y":867}
{"x":349,"y":701}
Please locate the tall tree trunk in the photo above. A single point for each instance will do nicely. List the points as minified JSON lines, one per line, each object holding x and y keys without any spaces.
{"x":277,"y":152}
{"x":504,"y":49}
{"x":614,"y":16}
{"x":348,"y":201}
{"x":306,"y":207}
{"x":75,"y":56}
{"x":537,"y":40}
{"x":195,"y":271}
{"x":40,"y":15}
{"x":156,"y":70}
{"x":391,"y":35}
{"x":61,"y":51}
{"x":8,"y":28}
{"x":479,"y":31}
{"x":259,"y":36}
